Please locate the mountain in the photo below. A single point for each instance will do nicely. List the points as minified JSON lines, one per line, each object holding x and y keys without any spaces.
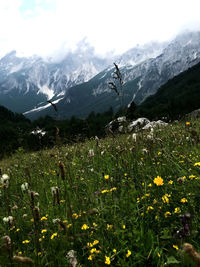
{"x":26,"y":82}
{"x":179,"y":96}
{"x":78,"y":84}
{"x":143,"y":69}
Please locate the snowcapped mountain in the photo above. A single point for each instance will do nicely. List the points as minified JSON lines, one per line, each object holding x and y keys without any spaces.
{"x":27,"y":83}
{"x":141,"y":78}
{"x":78,"y":84}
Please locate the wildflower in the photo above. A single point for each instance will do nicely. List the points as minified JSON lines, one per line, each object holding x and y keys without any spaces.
{"x":106,"y":176}
{"x":170,"y":182}
{"x":75,"y":215}
{"x":43,"y":231}
{"x":113,"y":189}
{"x":125,"y":174}
{"x":95,"y":242}
{"x":183,"y":200}
{"x":114,"y":250}
{"x":109,"y":226}
{"x":177,"y":210}
{"x":176,"y":247}
{"x":43,"y":218}
{"x":192,"y":176}
{"x":8,"y":219}
{"x":90,"y":258}
{"x":5,"y":180}
{"x":107,"y":260}
{"x":104,"y":191}
{"x":71,"y":256}
{"x":84,"y":227}
{"x":187,"y":123}
{"x":150,"y":185}
{"x":150,"y":208}
{"x":197,"y":164}
{"x":134,"y":136}
{"x":25,"y":241}
{"x":39,"y":253}
{"x":19,"y":253}
{"x":128,"y":253}
{"x":158,"y":181}
{"x":24,"y":187}
{"x":124,"y":226}
{"x":158,"y":254}
{"x":167,"y":213}
{"x":54,"y":235}
{"x":91,"y":153}
{"x":165,"y":198}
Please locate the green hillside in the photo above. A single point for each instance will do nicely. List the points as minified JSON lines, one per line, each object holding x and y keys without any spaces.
{"x":123,"y":201}
{"x":176,"y":98}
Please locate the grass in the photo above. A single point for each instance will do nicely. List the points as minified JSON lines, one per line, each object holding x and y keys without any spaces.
{"x":99,"y":202}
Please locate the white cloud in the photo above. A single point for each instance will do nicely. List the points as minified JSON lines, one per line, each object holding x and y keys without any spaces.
{"x":50,"y":25}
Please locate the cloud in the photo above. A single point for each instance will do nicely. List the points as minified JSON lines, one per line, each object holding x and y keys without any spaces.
{"x":46,"y":26}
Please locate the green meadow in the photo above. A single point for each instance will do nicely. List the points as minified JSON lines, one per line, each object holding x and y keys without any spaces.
{"x":125,"y":200}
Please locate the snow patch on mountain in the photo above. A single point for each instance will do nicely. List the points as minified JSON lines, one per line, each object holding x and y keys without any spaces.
{"x":37,"y":109}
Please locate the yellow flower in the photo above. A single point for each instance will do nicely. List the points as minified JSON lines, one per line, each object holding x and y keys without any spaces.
{"x":75,"y":215}
{"x":43,"y":231}
{"x":43,"y":218}
{"x":158,"y":181}
{"x":167,"y":213}
{"x":192,"y":176}
{"x":125,"y":174}
{"x":177,"y":210}
{"x":187,"y":123}
{"x":114,"y":250}
{"x":19,"y":253}
{"x":197,"y":164}
{"x":90,"y":258}
{"x":176,"y":247}
{"x":183,"y":200}
{"x":85,"y":227}
{"x":95,"y":242}
{"x":17,"y":230}
{"x":113,"y":189}
{"x":109,"y":226}
{"x":107,"y":260}
{"x":54,"y":235}
{"x":154,"y":201}
{"x":150,"y":185}
{"x":158,"y":254}
{"x":106,"y":176}
{"x":124,"y":226}
{"x":150,"y":208}
{"x":128,"y":253}
{"x":170,"y":182}
{"x":104,"y":191}
{"x":25,"y":241}
{"x":39,"y":253}
{"x":165,"y":199}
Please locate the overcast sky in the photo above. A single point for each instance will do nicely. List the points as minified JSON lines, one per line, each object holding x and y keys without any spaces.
{"x":46,"y":27}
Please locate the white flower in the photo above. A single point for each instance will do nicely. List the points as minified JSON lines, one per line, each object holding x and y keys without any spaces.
{"x":5,"y":179}
{"x":134,"y":136}
{"x":91,"y":153}
{"x":8,"y":219}
{"x":54,"y":190}
{"x":24,"y":187}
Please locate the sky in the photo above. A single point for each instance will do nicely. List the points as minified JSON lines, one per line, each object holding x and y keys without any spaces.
{"x":54,"y":27}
